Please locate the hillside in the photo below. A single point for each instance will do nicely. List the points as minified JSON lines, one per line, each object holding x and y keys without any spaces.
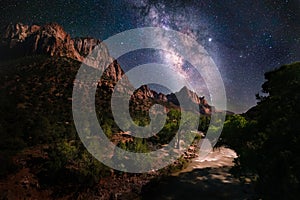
{"x":38,"y":138}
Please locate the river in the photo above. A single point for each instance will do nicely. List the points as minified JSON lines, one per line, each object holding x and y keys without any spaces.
{"x":207,"y":177}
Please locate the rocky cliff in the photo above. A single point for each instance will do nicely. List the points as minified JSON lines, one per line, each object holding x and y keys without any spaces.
{"x":148,"y":97}
{"x":51,"y":39}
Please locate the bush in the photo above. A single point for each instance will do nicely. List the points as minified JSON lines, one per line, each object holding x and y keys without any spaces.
{"x":267,"y":138}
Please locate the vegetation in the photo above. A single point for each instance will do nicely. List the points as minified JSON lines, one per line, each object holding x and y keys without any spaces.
{"x":36,"y":113}
{"x":35,"y":109}
{"x":267,"y":138}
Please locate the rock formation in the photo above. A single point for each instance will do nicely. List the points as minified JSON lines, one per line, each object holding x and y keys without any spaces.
{"x":51,"y":39}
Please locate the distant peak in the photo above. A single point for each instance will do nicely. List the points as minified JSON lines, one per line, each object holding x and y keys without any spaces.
{"x":184,"y":88}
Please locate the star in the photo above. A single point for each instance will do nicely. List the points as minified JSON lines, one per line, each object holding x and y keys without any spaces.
{"x":244,"y":39}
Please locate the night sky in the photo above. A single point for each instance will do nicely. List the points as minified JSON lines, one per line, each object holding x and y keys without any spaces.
{"x":244,"y":38}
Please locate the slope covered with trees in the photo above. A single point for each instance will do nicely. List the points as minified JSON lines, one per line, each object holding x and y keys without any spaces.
{"x":267,"y":137}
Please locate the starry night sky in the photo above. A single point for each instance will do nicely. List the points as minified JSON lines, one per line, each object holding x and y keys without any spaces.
{"x":244,"y":38}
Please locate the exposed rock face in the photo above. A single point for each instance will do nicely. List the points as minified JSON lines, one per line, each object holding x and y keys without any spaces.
{"x":184,"y":92}
{"x":15,"y":34}
{"x":190,"y":98}
{"x":84,"y":46}
{"x":50,"y":39}
{"x":114,"y":72}
{"x":143,"y":97}
{"x":161,"y":97}
{"x":144,"y":92}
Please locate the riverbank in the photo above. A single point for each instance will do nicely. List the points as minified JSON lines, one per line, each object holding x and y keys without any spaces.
{"x":204,"y":178}
{"x":219,"y":157}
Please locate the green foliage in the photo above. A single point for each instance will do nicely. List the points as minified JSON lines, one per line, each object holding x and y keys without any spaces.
{"x":170,"y":128}
{"x":107,"y":128}
{"x":204,"y":123}
{"x":137,"y":145}
{"x":180,"y":164}
{"x":36,"y":110}
{"x":267,"y":138}
{"x":233,"y":131}
{"x":71,"y":161}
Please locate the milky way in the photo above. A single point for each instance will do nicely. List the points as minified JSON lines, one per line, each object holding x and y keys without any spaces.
{"x":184,"y":20}
{"x":244,"y":38}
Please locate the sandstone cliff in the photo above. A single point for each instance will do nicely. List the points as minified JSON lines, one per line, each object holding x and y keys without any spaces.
{"x":51,"y":39}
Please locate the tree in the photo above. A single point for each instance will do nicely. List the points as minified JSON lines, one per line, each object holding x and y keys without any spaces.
{"x":267,"y":137}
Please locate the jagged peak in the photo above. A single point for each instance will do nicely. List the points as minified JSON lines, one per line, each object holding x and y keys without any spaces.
{"x":50,"y":39}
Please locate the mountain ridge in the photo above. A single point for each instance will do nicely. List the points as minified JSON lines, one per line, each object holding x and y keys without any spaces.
{"x":51,"y":39}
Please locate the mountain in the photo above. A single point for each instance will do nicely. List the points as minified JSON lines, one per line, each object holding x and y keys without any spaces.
{"x":50,"y":39}
{"x":190,"y":99}
{"x":38,"y":139}
{"x":193,"y":98}
{"x":19,"y":40}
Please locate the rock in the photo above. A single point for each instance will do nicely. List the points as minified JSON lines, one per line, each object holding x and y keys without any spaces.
{"x":84,"y":46}
{"x":50,"y":39}
{"x":191,"y":100}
